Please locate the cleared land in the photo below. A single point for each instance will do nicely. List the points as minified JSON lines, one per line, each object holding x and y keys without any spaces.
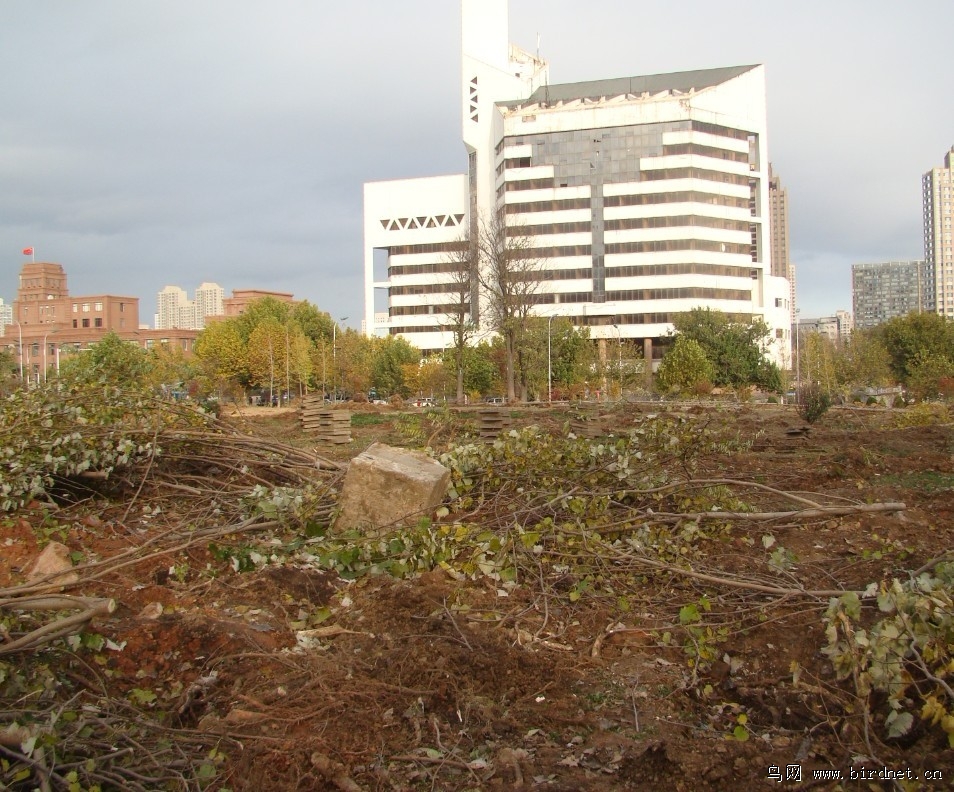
{"x":550,"y":630}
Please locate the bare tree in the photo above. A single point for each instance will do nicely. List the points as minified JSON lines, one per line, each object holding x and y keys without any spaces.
{"x":461,"y":267}
{"x":509,"y":275}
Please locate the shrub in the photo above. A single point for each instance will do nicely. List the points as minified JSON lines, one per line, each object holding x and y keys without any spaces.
{"x":813,"y":402}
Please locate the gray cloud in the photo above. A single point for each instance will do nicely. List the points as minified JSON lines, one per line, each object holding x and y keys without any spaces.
{"x":146,"y":143}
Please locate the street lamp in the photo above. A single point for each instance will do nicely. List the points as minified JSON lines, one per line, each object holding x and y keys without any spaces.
{"x":549,"y":364}
{"x":334,"y":357}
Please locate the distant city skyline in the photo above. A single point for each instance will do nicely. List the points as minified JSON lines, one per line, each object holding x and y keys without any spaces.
{"x":143,"y":144}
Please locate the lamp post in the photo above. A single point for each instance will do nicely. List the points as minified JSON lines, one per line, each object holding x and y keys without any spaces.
{"x":549,"y":364}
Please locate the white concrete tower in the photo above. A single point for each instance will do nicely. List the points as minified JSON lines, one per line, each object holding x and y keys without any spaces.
{"x":492,"y":70}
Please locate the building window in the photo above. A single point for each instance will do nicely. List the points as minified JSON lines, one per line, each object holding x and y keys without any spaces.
{"x":122,"y":307}
{"x":85,"y":307}
{"x":122,"y":324}
{"x":98,"y":321}
{"x":97,"y":306}
{"x":86,"y":323}
{"x":75,"y":308}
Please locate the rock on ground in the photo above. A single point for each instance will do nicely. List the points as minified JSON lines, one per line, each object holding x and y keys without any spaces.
{"x":389,"y":486}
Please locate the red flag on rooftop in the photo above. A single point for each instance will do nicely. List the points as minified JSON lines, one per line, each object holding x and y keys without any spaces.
{"x":27,"y":251}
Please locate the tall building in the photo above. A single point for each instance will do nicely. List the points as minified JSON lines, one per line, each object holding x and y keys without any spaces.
{"x":782,"y":266}
{"x":208,"y":302}
{"x":641,"y":197}
{"x":884,"y":290}
{"x":937,"y":186}
{"x":6,"y":316}
{"x":176,"y":310}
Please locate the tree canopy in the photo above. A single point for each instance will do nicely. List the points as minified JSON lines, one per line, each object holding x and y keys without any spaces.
{"x":736,"y":350}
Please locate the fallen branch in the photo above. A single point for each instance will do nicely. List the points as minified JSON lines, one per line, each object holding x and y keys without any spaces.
{"x":821,"y":511}
{"x":60,"y":628}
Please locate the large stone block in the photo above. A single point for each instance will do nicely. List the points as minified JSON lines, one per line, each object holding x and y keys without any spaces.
{"x":387,"y":486}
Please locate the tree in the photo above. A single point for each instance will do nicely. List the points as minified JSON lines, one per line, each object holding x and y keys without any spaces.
{"x":353,"y":361}
{"x":110,"y":361}
{"x":736,"y":350}
{"x":222,"y":356}
{"x":266,"y":355}
{"x":864,"y":361}
{"x":315,"y":324}
{"x":685,"y":367}
{"x":509,"y":275}
{"x":389,"y":356}
{"x":910,"y":340}
{"x":462,"y":270}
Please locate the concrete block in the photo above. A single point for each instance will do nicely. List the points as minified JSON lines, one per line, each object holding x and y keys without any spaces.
{"x":387,"y":486}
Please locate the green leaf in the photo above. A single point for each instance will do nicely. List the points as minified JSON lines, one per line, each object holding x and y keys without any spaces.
{"x":689,"y":614}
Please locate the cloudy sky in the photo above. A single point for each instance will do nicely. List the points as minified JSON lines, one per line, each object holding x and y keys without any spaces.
{"x":147,"y":143}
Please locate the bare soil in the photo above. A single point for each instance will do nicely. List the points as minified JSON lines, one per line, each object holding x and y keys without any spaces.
{"x":437,"y":683}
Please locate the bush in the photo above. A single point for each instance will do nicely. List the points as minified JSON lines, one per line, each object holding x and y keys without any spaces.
{"x":813,"y":403}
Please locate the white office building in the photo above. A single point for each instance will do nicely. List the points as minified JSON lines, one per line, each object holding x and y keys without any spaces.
{"x":643,"y":197}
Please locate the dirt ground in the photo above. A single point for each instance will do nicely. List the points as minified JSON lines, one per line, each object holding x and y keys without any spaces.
{"x":298,"y":679}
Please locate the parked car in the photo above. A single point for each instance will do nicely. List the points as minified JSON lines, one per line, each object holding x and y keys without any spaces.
{"x":424,"y":401}
{"x":494,"y":400}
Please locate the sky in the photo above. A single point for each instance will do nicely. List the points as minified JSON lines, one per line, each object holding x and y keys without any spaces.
{"x":146,"y":143}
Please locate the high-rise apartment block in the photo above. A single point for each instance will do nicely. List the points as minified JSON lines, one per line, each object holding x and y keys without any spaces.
{"x":6,"y":316}
{"x":640,"y":198}
{"x":938,"y":186}
{"x":176,"y":310}
{"x":782,"y":266}
{"x":884,"y":290}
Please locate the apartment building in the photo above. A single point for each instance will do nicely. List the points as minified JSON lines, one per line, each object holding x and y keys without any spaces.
{"x":782,"y":266}
{"x":883,"y":290}
{"x":641,"y":198}
{"x":176,"y":310}
{"x":837,"y":328}
{"x":938,"y":200}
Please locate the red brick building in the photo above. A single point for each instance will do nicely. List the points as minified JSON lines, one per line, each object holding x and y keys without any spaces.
{"x":48,"y":323}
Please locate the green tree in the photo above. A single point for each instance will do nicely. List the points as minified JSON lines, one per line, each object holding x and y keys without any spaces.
{"x":389,"y":355}
{"x":481,"y":375}
{"x":267,"y":365}
{"x":314,"y":323}
{"x":928,"y":373}
{"x":221,"y":356}
{"x":736,"y":350}
{"x":863,"y":361}
{"x":261,"y":310}
{"x":109,"y":361}
{"x":913,"y":339}
{"x":352,"y":361}
{"x":685,"y":367}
